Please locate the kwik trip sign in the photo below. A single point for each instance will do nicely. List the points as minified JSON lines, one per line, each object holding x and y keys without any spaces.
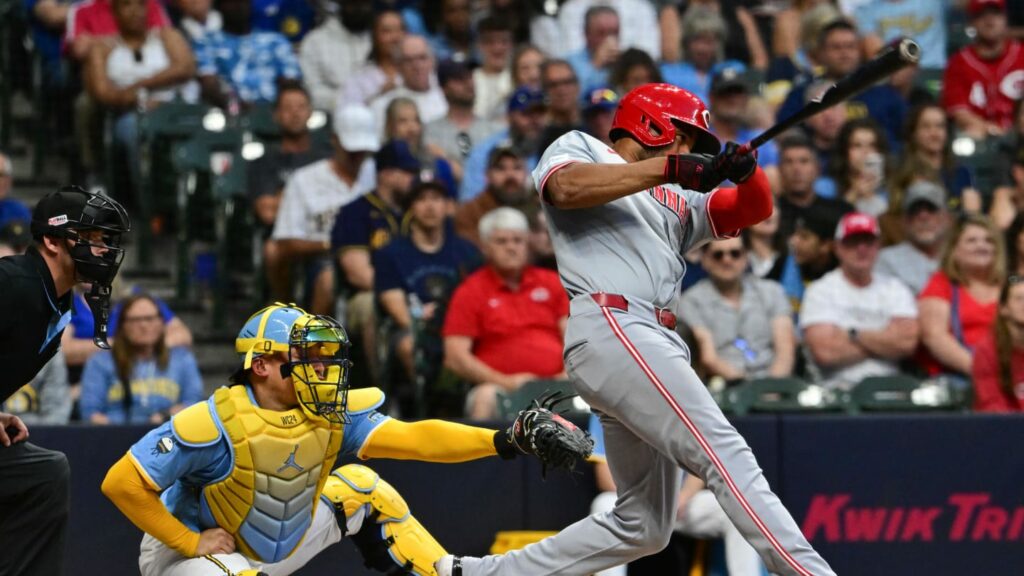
{"x":962,"y":517}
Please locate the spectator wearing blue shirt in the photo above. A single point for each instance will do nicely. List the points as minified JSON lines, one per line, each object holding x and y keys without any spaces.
{"x":526,"y":109}
{"x":417,"y":273}
{"x":730,"y":95}
{"x":238,"y":62}
{"x":704,"y":33}
{"x":593,"y":62}
{"x":839,"y":53}
{"x":139,"y":380}
{"x":365,"y":226}
{"x":291,"y":18}
{"x":10,"y":209}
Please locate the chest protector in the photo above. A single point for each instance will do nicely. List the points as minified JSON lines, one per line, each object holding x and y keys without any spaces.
{"x":281,"y":461}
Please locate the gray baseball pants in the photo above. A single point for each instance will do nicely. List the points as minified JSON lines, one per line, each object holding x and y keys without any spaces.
{"x":657,"y":417}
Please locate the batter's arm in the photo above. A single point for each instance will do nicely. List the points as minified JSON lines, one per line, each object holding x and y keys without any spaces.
{"x":585,"y":185}
{"x":733,"y":209}
{"x":138,"y":499}
{"x":429,"y":441}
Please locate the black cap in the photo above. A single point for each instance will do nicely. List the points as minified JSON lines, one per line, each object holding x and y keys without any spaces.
{"x":16,"y":233}
{"x":452,"y":70}
{"x":425,"y":181}
{"x":396,"y":154}
{"x":821,"y":219}
{"x":730,"y":76}
{"x":503,"y":150}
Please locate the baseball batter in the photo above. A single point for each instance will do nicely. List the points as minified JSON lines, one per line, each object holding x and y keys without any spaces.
{"x":620,"y":220}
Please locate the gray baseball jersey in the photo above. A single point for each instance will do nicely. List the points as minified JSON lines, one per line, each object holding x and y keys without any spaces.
{"x":633,"y":245}
{"x":657,"y":415}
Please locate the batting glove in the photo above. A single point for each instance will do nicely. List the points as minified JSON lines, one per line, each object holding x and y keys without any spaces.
{"x":731,"y":164}
{"x":692,"y":171}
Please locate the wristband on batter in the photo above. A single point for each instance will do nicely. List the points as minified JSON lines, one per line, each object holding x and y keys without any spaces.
{"x":692,"y":171}
{"x":504,"y":445}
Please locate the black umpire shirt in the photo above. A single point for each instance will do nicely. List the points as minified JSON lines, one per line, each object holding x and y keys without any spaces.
{"x":32,"y":319}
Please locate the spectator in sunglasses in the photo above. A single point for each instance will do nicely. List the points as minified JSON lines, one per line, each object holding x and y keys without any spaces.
{"x":743,"y":324}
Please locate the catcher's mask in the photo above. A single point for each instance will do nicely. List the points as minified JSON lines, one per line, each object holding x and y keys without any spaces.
{"x":316,"y":348}
{"x":94,"y":224}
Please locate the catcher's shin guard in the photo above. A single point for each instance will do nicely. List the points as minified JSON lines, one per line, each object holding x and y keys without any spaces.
{"x":390,"y":540}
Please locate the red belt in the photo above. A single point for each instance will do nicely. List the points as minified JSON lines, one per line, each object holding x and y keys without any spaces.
{"x":664,"y":316}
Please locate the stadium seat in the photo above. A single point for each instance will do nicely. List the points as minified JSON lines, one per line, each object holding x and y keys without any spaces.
{"x":510,"y":403}
{"x":782,"y":395}
{"x":900,"y":393}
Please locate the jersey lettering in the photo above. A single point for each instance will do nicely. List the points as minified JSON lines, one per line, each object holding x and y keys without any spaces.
{"x":670,"y":200}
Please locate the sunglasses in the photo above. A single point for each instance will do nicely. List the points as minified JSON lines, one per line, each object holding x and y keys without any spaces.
{"x":719,"y":255}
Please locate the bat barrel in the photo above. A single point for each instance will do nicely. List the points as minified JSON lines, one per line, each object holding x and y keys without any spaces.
{"x":909,"y":51}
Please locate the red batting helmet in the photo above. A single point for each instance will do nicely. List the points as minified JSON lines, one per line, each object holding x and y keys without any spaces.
{"x":647,"y":113}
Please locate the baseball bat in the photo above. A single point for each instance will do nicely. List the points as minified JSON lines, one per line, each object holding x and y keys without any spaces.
{"x":896,"y":55}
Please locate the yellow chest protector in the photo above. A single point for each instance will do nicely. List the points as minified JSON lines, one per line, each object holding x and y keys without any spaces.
{"x":281,"y":461}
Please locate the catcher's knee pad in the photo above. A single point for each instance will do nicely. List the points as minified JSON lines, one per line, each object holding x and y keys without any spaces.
{"x":390,"y":540}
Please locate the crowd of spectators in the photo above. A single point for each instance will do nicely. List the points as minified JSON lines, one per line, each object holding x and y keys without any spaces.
{"x":416,"y":220}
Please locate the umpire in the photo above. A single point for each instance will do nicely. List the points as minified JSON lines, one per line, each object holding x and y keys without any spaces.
{"x":76,"y":238}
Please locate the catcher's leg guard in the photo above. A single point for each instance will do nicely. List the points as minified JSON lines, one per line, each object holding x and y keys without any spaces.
{"x":391,"y":540}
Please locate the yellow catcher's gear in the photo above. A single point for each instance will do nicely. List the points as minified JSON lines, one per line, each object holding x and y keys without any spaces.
{"x":315,"y":349}
{"x":390,"y":535}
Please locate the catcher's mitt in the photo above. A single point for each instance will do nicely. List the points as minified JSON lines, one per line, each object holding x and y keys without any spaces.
{"x":539,"y":431}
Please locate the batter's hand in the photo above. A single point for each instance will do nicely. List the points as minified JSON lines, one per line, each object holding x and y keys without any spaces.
{"x":731,"y":164}
{"x":692,"y":171}
{"x":215,"y":541}
{"x":12,"y":429}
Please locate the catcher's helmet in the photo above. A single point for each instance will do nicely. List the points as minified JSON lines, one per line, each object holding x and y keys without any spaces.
{"x":316,"y":348}
{"x":647,"y":114}
{"x":69,"y":212}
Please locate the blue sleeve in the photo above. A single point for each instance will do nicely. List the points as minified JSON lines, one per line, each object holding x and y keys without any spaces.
{"x":288,"y":63}
{"x":166,"y":460}
{"x":97,"y":378}
{"x":356,"y":433}
{"x":206,"y":56}
{"x":81,"y":318}
{"x":352,"y":226}
{"x":385,"y":271}
{"x":443,"y":172}
{"x":597,"y":433}
{"x":190,"y":381}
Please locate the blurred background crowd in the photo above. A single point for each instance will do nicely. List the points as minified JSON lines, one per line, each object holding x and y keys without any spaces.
{"x":372,"y":160}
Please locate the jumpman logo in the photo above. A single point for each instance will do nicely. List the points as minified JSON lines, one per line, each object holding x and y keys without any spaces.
{"x":290,"y":462}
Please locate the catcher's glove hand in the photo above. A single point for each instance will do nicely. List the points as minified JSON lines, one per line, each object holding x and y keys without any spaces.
{"x":539,"y":431}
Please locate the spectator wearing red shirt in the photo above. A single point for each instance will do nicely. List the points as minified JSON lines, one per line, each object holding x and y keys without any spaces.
{"x":958,"y":305}
{"x":984,"y":79}
{"x":93,"y":19}
{"x":506,"y":322}
{"x":998,"y":368}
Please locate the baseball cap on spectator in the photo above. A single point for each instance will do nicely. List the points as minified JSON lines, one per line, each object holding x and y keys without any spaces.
{"x":16,"y":234}
{"x":729,"y":76}
{"x":499,"y":152}
{"x":425,"y":182}
{"x":820,"y":220}
{"x":356,"y":128}
{"x":923,"y":191}
{"x":396,"y":154}
{"x":976,"y":7}
{"x":526,"y":98}
{"x":452,"y":70}
{"x":600,"y":100}
{"x":857,"y":224}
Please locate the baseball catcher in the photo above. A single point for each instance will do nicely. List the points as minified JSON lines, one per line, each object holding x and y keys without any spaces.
{"x":244,"y":483}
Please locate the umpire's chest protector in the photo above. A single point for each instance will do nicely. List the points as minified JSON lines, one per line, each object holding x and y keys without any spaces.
{"x":281,"y":461}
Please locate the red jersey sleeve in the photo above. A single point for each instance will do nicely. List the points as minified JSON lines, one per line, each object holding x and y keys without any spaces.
{"x":156,"y":16}
{"x":463,"y":314}
{"x":938,"y":286}
{"x":733,"y":209}
{"x":988,"y":394}
{"x":956,"y":84}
